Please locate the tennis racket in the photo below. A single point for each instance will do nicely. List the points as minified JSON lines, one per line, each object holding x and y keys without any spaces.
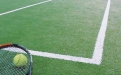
{"x":7,"y":54}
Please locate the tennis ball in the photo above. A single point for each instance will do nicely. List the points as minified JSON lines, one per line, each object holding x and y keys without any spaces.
{"x":20,"y":60}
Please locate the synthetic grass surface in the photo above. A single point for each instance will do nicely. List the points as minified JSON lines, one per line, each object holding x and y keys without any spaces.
{"x":57,"y":27}
{"x":73,"y":25}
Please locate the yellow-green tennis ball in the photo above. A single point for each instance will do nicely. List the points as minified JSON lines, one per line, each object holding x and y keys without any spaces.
{"x":20,"y":60}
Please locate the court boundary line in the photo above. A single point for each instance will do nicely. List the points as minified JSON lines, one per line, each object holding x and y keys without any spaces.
{"x":98,"y":49}
{"x":24,"y":7}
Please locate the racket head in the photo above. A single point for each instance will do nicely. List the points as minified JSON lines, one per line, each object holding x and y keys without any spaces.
{"x":7,"y":54}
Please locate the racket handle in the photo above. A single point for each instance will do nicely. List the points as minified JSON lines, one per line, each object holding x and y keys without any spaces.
{"x":3,"y":45}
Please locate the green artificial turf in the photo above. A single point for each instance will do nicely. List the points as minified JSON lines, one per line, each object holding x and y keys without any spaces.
{"x":64,"y":27}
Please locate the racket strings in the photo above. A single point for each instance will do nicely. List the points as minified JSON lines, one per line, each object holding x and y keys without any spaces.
{"x":7,"y":66}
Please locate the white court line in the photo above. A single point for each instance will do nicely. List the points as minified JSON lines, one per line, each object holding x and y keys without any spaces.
{"x":60,"y":56}
{"x":98,"y":51}
{"x":24,"y":7}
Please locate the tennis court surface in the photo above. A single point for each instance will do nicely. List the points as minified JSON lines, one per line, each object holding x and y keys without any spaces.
{"x":65,"y":37}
